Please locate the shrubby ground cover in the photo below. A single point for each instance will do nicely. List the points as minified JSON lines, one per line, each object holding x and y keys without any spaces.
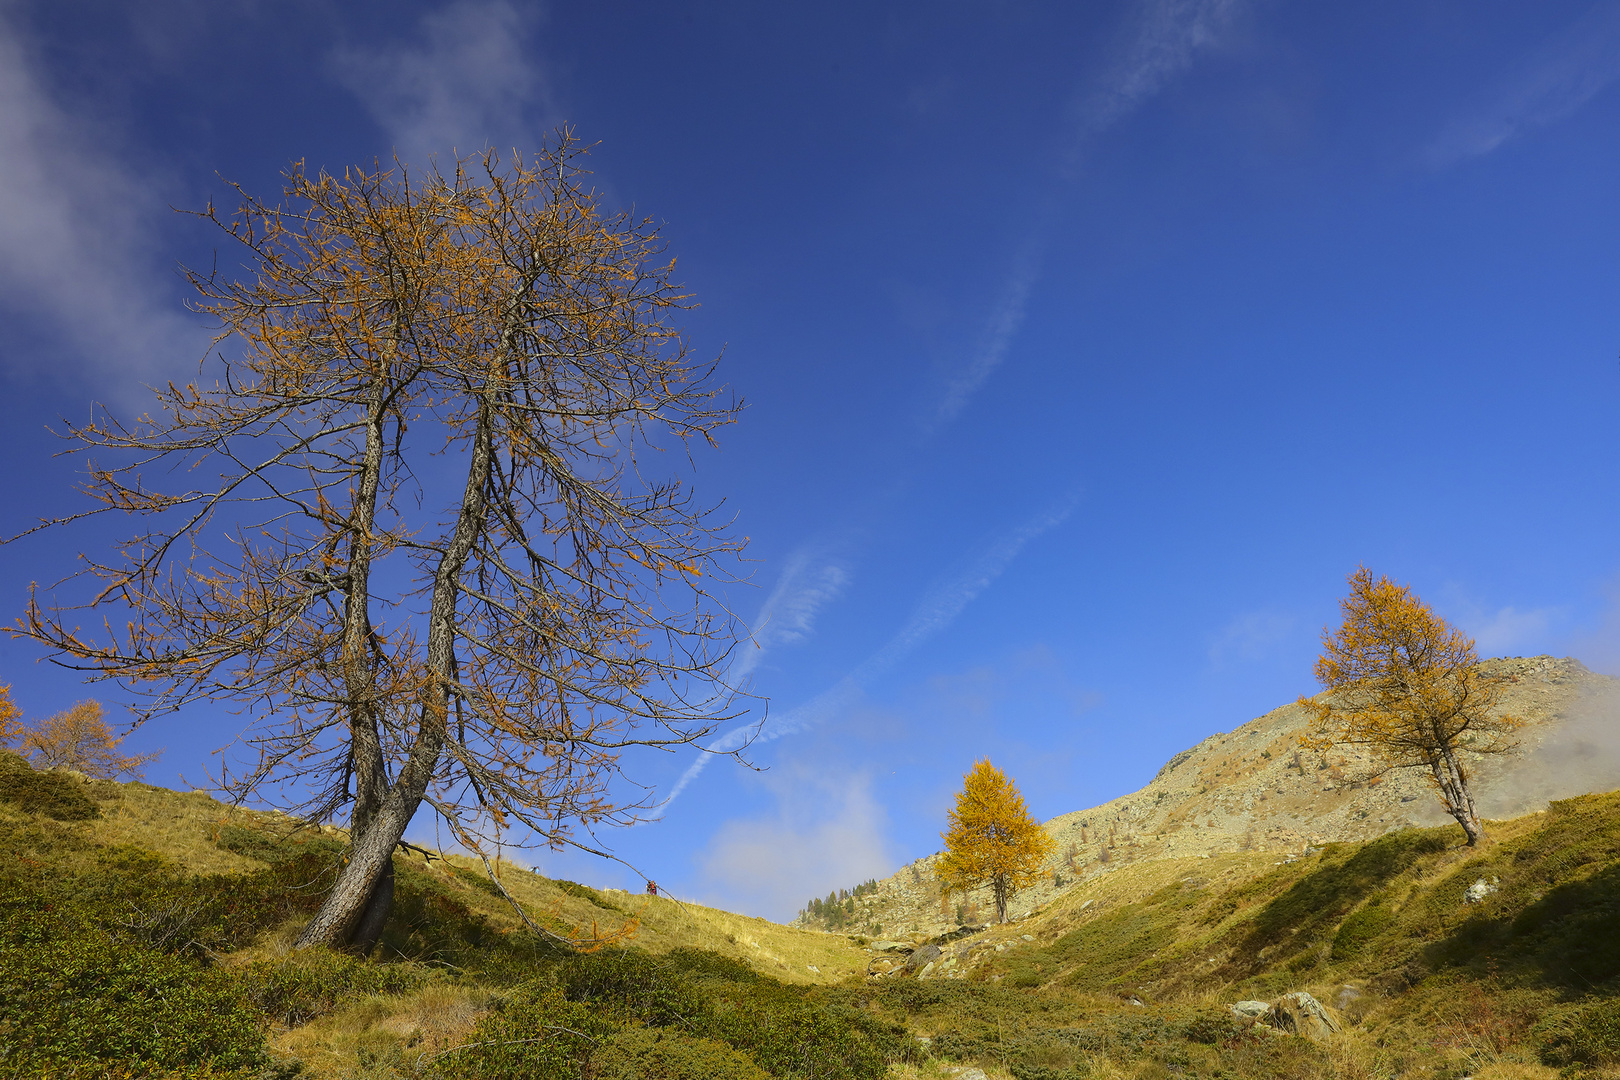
{"x":117,"y":961}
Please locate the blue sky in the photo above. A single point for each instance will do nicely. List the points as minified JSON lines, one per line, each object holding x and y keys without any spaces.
{"x":1087,"y":347}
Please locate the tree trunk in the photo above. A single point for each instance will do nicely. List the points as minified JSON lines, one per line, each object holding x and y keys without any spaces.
{"x":1452,"y":779}
{"x":998,"y":886}
{"x":375,"y":916}
{"x":372,"y":843}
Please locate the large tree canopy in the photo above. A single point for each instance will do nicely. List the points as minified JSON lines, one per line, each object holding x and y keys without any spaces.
{"x":427,"y":524}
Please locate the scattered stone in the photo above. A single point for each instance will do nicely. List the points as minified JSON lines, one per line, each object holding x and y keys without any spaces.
{"x":1479,"y":890}
{"x":1300,"y":1014}
{"x":813,"y":969}
{"x":1026,"y":937}
{"x":891,"y":946}
{"x":964,"y":1072}
{"x":1250,"y":1009}
{"x":1346,"y":994}
{"x":923,"y":957}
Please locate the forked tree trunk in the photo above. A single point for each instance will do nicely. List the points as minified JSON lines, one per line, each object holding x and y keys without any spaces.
{"x":360,"y":883}
{"x":999,"y":887}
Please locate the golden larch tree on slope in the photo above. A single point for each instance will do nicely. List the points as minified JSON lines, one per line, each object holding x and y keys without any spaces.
{"x":80,"y":738}
{"x":1406,"y":685}
{"x":992,"y":839}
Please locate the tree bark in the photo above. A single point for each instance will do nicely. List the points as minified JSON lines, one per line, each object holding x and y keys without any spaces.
{"x":1452,"y":779}
{"x":375,"y":916}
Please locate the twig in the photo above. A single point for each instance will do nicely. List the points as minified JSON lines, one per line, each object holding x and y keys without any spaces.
{"x":524,"y":915}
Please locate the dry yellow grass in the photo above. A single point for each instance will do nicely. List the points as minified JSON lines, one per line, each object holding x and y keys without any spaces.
{"x":372,"y":1036}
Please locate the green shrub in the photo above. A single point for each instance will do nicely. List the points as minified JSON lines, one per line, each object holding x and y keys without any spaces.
{"x":535,"y":1033}
{"x":661,"y":1054}
{"x":1360,"y":928}
{"x":55,"y":795}
{"x":317,"y":981}
{"x":1585,"y":1035}
{"x":75,"y":996}
{"x":1298,"y":918}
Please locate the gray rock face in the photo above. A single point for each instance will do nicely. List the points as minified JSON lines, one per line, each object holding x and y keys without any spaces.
{"x":923,"y":957}
{"x":1251,"y":1009}
{"x":1300,"y":1014}
{"x":1345,"y":996}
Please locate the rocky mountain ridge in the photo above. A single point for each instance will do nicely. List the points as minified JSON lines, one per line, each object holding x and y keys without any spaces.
{"x":1254,"y":789}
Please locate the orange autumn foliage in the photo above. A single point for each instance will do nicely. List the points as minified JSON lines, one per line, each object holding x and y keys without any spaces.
{"x":11,"y":728}
{"x":992,"y":839}
{"x":79,"y":738}
{"x":1406,"y":685}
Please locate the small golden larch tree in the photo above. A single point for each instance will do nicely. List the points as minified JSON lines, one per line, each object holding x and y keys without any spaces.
{"x":992,"y":839}
{"x":79,"y":738}
{"x":1406,"y":685}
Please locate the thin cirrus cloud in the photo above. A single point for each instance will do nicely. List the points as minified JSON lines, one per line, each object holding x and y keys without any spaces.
{"x":1498,"y":632}
{"x":74,"y":225}
{"x":1169,"y":35}
{"x":466,"y":83}
{"x":1556,"y":80}
{"x":810,"y":580}
{"x":939,"y":608}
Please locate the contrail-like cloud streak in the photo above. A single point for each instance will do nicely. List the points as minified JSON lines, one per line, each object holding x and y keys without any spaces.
{"x":1559,"y":78}
{"x":1169,"y":37}
{"x":937,"y":610}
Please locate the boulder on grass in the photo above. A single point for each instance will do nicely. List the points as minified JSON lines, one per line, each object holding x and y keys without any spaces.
{"x":1300,"y":1014}
{"x":922,"y":957}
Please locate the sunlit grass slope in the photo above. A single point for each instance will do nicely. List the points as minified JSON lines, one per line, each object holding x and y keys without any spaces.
{"x":147,"y":932}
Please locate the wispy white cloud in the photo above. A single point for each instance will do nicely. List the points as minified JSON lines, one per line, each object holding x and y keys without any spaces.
{"x":810,"y":580}
{"x":1557,"y":79}
{"x":1250,"y":636}
{"x":466,"y":83}
{"x":827,"y":832}
{"x":1168,"y":37}
{"x":1006,"y":319}
{"x":74,"y":225}
{"x":1499,"y":632}
{"x":937,"y":610}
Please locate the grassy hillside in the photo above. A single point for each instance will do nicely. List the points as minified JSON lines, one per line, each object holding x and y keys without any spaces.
{"x":146,"y":932}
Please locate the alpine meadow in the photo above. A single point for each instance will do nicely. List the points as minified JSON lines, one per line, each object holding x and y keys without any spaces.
{"x":809,"y":542}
